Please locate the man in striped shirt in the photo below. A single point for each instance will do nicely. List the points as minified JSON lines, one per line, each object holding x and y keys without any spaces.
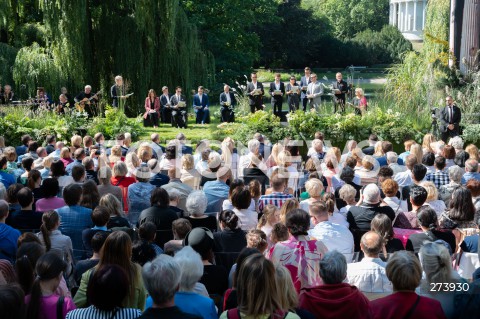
{"x":278,"y":196}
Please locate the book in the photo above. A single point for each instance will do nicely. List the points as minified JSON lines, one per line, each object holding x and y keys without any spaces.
{"x":294,"y":89}
{"x":181,"y":104}
{"x":277,"y":92}
{"x":257,"y":92}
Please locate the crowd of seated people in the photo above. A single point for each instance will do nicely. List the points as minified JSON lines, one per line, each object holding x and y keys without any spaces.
{"x":144,"y":230}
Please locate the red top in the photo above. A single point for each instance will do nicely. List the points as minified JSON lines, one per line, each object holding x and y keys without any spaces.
{"x":335,"y":301}
{"x":123,"y":182}
{"x":397,"y":305}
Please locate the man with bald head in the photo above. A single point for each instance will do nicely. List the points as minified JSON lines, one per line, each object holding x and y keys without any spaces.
{"x":8,"y":235}
{"x":158,"y":149}
{"x":227,"y":102}
{"x":369,"y":275}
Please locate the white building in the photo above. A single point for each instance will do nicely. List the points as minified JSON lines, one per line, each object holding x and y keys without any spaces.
{"x":409,"y":17}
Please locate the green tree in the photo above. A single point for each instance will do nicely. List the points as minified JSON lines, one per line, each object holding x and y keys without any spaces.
{"x":348,"y":17}
{"x":229,"y":29}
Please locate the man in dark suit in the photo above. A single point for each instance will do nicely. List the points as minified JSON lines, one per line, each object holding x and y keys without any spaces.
{"x":277,"y":97}
{"x":450,"y":117}
{"x":179,"y":113}
{"x":227,"y":103}
{"x":185,"y":149}
{"x":165,"y":106}
{"x":340,"y":88}
{"x":117,"y":91}
{"x":200,"y":105}
{"x":256,"y":100}
{"x":304,"y":81}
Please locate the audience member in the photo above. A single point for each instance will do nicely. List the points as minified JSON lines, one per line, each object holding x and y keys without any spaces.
{"x":176,"y":184}
{"x":50,"y":201}
{"x":278,"y":195}
{"x":299,"y":250}
{"x":335,"y":298}
{"x":215,"y":278}
{"x":83,"y":265}
{"x":137,"y":193}
{"x":196,"y":206}
{"x":114,"y":207}
{"x":333,"y":236}
{"x":471,"y":171}
{"x":26,"y":218}
{"x":427,"y":218}
{"x":439,"y":177}
{"x":408,"y":220}
{"x":117,"y":250}
{"x":162,"y":279}
{"x":8,"y":235}
{"x":157,"y":177}
{"x":369,"y":274}
{"x":74,"y":218}
{"x":455,"y":174}
{"x":404,"y":271}
{"x":180,"y":228}
{"x":160,"y":214}
{"x":120,"y":179}
{"x":461,"y":212}
{"x":382,"y":225}
{"x":360,"y":217}
{"x":432,"y":198}
{"x":230,"y":238}
{"x":100,"y":217}
{"x":217,"y":191}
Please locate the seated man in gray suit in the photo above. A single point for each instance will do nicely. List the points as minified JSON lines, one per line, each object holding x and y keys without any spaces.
{"x":314,"y":93}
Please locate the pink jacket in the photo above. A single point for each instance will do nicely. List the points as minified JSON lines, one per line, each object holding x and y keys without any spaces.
{"x":147,"y":106}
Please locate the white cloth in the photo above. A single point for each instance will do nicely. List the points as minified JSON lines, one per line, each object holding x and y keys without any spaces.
{"x":338,"y":218}
{"x":227,"y":204}
{"x":438,"y":206}
{"x":397,"y":168}
{"x":248,"y":218}
{"x":369,"y":275}
{"x":335,"y":237}
{"x":404,"y":178}
{"x":396,"y":204}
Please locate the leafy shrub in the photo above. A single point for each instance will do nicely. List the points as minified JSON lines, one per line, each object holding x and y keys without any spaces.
{"x":262,"y":122}
{"x":388,"y":125}
{"x":116,"y":122}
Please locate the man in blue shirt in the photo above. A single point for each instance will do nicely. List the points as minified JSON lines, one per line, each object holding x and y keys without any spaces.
{"x":5,"y":178}
{"x":74,"y":218}
{"x":8,"y":235}
{"x":217,"y":191}
{"x":471,"y":171}
{"x":79,"y":155}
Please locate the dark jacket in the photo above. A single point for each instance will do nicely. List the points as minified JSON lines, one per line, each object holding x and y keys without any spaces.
{"x":360,"y":218}
{"x":163,"y":218}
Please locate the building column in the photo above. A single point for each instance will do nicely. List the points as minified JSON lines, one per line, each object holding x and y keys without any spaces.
{"x":407,"y":28}
{"x":395,"y":17}
{"x":414,"y":16}
{"x":400,"y":16}
{"x":470,"y":35}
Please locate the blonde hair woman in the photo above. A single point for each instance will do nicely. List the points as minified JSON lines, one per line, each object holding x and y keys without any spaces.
{"x":428,"y":139}
{"x":257,"y":291}
{"x":145,"y":152}
{"x":229,"y":158}
{"x":288,"y":206}
{"x":360,"y":102}
{"x":472,"y":151}
{"x":114,"y":207}
{"x":133,"y":162}
{"x":287,"y":170}
{"x":66,"y":156}
{"x":272,"y":160}
{"x":115,"y":155}
{"x":432,"y":198}
{"x":314,"y":188}
{"x":378,"y":149}
{"x":76,"y":142}
{"x":188,"y":173}
{"x":287,"y":295}
{"x":417,"y":151}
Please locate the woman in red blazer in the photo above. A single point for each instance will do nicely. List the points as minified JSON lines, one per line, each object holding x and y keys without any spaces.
{"x":152,"y":108}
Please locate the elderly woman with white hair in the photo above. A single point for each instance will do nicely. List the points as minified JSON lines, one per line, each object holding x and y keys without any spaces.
{"x":162,"y":279}
{"x":436,"y":204}
{"x":196,"y":206}
{"x":368,"y":173}
{"x":445,"y":192}
{"x":360,"y":102}
{"x":246,"y":160}
{"x":360,"y":217}
{"x":187,"y":299}
{"x":437,"y":267}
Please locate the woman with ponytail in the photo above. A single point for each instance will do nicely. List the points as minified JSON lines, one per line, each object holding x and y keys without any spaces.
{"x":427,"y":219}
{"x":53,"y":239}
{"x":27,"y":255}
{"x":383,"y":226}
{"x":43,"y":301}
{"x":333,"y":215}
{"x":230,"y":238}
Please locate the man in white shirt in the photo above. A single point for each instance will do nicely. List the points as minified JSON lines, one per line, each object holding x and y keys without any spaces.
{"x":369,"y":275}
{"x":405,"y":178}
{"x":392,"y":161}
{"x":334,"y":236}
